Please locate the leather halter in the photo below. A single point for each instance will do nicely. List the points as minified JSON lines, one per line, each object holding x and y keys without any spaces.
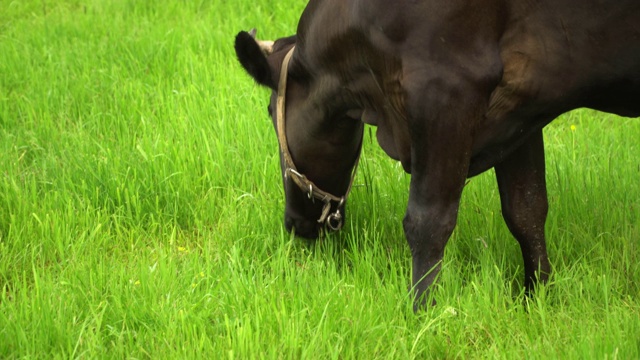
{"x":332,"y":220}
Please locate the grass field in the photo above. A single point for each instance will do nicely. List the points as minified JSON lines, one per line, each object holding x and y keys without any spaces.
{"x":141,"y":212}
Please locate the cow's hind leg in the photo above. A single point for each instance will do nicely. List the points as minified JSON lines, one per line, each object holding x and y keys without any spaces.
{"x":523,"y":195}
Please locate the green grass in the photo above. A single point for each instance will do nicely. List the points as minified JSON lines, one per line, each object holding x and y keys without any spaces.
{"x":141,"y":212}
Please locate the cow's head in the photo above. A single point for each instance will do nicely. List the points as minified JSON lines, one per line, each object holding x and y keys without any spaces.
{"x":322,"y":132}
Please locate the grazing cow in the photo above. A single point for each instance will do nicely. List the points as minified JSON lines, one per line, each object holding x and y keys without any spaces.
{"x":455,"y":88}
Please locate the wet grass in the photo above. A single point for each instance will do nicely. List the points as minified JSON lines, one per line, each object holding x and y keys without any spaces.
{"x":141,"y":212}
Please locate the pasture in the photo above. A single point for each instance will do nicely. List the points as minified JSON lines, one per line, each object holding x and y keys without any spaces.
{"x":141,"y":212}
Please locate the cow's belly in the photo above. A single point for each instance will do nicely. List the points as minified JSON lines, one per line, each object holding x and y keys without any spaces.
{"x":493,"y":144}
{"x":541,"y":80}
{"x":511,"y":119}
{"x":523,"y":103}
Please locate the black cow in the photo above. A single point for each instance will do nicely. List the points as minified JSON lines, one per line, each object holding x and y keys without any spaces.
{"x":455,"y":88}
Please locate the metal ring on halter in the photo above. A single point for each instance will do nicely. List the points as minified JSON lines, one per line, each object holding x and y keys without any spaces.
{"x":310,"y":194}
{"x":335,"y":217}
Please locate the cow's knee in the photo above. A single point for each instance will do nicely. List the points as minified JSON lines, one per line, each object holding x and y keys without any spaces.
{"x":525,"y":216}
{"x":428,"y":229}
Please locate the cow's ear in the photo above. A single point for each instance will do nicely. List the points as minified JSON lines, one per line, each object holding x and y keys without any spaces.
{"x":253,"y":58}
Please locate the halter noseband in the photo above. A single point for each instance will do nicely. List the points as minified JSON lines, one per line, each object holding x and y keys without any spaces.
{"x":332,"y":220}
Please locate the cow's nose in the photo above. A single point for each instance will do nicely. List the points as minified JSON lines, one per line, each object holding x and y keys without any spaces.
{"x":306,"y":228}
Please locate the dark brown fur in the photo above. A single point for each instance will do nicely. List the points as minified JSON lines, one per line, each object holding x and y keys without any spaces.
{"x":455,"y":88}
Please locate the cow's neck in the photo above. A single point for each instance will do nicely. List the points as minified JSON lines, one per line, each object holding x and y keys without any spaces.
{"x":354,"y":71}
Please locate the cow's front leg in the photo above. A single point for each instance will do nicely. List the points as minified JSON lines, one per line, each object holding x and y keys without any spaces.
{"x":447,"y":86}
{"x":429,"y":221}
{"x":441,"y":127}
{"x":523,"y":194}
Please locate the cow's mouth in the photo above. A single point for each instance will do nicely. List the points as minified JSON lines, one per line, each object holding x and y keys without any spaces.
{"x":309,"y":229}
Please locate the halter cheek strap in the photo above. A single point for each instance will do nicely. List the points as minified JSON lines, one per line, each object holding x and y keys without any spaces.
{"x":333,"y":220}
